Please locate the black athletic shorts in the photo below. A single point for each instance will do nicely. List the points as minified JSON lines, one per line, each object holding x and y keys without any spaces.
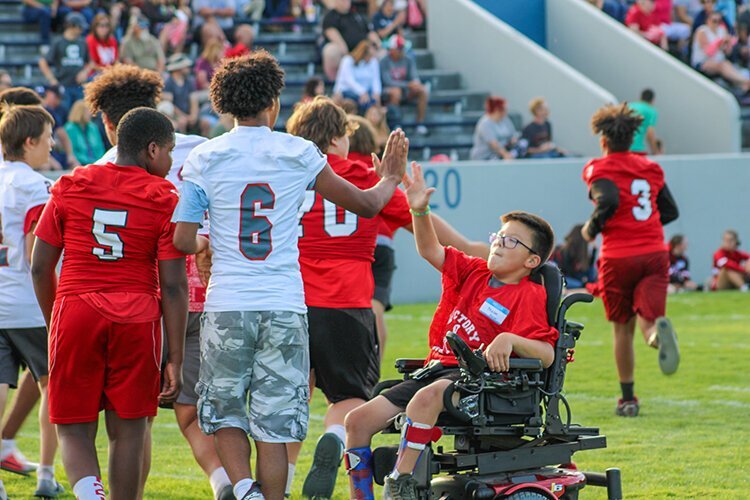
{"x":401,"y":394}
{"x":382,"y":271}
{"x":22,"y":347}
{"x":344,"y":352}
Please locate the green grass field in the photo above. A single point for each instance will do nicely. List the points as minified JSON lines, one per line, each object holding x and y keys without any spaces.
{"x":692,"y":439}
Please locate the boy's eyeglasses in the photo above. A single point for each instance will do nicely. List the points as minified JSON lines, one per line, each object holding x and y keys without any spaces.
{"x":510,"y":242}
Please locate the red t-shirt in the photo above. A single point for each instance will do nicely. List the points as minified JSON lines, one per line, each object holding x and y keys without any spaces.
{"x":479,"y":312}
{"x":730,"y":259}
{"x":114,"y":224}
{"x":337,"y":247}
{"x":102,"y":53}
{"x":635,"y":228}
{"x":644,"y":21}
{"x":663,"y":11}
{"x":383,"y":228}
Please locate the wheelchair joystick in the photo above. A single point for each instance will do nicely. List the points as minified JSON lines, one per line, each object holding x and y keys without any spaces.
{"x":471,"y":361}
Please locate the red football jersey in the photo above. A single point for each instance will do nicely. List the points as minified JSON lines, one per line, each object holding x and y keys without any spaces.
{"x":732,"y":260}
{"x":635,"y":228}
{"x":383,"y":228}
{"x":479,"y":312}
{"x":114,"y":224}
{"x":337,"y":247}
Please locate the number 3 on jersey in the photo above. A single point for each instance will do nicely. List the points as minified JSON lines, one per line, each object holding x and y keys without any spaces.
{"x":114,"y":249}
{"x":642,"y":189}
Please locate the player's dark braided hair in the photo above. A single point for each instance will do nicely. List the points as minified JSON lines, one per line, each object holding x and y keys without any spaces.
{"x":618,"y":124}
{"x":120,"y":88}
{"x":245,"y":86}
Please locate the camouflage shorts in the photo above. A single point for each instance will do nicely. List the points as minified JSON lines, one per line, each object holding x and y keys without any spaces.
{"x":254,"y":374}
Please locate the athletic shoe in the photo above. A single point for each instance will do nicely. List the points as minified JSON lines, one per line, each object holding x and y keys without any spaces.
{"x":627,"y":408}
{"x":254,"y":493}
{"x":15,"y":462}
{"x":3,"y":494}
{"x":321,"y":479}
{"x":226,"y":493}
{"x":669,"y":352}
{"x":403,"y":488}
{"x":48,"y":488}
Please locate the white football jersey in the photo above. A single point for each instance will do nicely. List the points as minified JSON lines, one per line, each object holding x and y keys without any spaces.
{"x":255,"y":181}
{"x":21,"y":189}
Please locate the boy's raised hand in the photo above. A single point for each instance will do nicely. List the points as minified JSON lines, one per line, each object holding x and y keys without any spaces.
{"x":395,"y":154}
{"x":417,"y":191}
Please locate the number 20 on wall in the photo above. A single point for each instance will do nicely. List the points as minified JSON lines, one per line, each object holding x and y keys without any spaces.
{"x":448,"y":183}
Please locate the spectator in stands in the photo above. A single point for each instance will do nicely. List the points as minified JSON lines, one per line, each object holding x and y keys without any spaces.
{"x":6,"y":81}
{"x":67,"y":61}
{"x":675,"y":31}
{"x":711,"y":45}
{"x":252,"y":9}
{"x":62,"y":155}
{"x":377,"y":117}
{"x":731,"y":265}
{"x":314,"y":87}
{"x":178,"y":88}
{"x":703,"y":16}
{"x":387,"y":20}
{"x":646,"y":133}
{"x":343,"y":30}
{"x":102,"y":45}
{"x":276,"y":9}
{"x":206,"y":64}
{"x":494,"y":135}
{"x":41,"y":11}
{"x":84,"y":136}
{"x":679,"y":267}
{"x":172,"y":29}
{"x":401,"y":82}
{"x":358,"y":77}
{"x":538,"y":133}
{"x":209,"y":13}
{"x":740,"y":55}
{"x":686,"y":10}
{"x":575,"y":260}
{"x":244,"y":37}
{"x":642,"y":19}
{"x":224,"y":125}
{"x":140,"y":47}
{"x":83,"y":7}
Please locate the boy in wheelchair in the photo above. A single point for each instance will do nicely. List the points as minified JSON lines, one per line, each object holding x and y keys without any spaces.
{"x":490,"y":304}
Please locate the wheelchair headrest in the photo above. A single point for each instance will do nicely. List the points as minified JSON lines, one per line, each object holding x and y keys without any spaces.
{"x":550,"y":277}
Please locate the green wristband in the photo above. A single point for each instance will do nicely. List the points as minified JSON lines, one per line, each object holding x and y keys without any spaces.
{"x":419,"y":214}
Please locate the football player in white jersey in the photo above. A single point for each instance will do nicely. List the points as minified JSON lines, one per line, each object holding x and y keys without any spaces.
{"x":26,"y":137}
{"x":254,"y":346}
{"x":114,"y":92}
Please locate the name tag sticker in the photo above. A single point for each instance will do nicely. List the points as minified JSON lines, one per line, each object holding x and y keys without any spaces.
{"x":494,"y":310}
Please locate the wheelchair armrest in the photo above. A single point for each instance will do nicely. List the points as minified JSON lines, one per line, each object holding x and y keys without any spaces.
{"x":408,"y":365}
{"x":530,"y":364}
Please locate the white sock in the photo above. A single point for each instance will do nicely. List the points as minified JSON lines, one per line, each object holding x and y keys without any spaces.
{"x":289,"y":479}
{"x":89,"y":488}
{"x":339,"y":431}
{"x":242,"y":487}
{"x":45,"y":472}
{"x":219,"y":480}
{"x":7,"y":447}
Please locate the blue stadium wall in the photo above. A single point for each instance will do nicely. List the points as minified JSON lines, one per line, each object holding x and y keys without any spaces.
{"x":527,"y":16}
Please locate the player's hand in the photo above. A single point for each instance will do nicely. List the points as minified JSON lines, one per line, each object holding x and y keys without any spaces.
{"x":395,"y":154}
{"x":203,"y":264}
{"x":172,"y":382}
{"x":417,"y":192}
{"x":498,"y":353}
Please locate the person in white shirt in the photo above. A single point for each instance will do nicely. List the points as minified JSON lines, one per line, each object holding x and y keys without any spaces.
{"x":26,"y":137}
{"x":114,"y":92}
{"x":358,"y":77}
{"x":252,"y":181}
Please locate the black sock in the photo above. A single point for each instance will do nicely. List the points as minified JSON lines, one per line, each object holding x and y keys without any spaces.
{"x":627,"y":391}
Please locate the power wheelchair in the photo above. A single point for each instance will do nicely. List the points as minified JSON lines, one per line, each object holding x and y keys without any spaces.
{"x":507,"y":427}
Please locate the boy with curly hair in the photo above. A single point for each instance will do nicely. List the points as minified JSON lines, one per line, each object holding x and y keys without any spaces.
{"x":254,"y":343}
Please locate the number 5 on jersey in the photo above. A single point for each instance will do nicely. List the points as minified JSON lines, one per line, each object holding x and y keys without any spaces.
{"x":112,"y":247}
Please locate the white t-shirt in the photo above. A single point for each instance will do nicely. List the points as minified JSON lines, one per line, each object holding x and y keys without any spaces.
{"x":252,"y":181}
{"x":21,"y":189}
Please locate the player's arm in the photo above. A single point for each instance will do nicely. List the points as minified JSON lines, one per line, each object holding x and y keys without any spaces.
{"x":189,"y":216}
{"x":370,"y":202}
{"x":44,"y":276}
{"x":418,"y":194}
{"x":668,"y":210}
{"x":174,"y":302}
{"x":606,"y":197}
{"x":498,"y":352}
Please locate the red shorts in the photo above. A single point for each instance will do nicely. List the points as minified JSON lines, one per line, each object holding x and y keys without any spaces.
{"x":634,"y":285}
{"x":96,"y":363}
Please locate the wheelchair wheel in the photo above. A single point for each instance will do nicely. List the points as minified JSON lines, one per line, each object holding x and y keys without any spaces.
{"x":526,"y":495}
